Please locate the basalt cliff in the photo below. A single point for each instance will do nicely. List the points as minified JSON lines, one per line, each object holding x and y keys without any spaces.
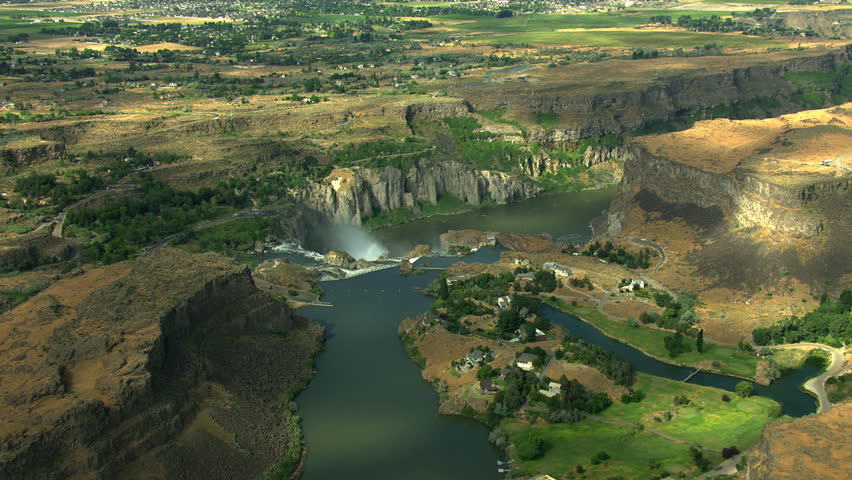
{"x":348,"y":194}
{"x":173,"y":363}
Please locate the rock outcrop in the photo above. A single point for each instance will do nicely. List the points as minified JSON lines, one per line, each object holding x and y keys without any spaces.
{"x":347,"y":194}
{"x":337,"y":258}
{"x":16,"y":155}
{"x":28,"y":250}
{"x":815,"y":446}
{"x":104,"y":367}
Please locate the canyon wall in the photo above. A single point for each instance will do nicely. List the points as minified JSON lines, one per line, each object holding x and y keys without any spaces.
{"x":347,"y":194}
{"x":745,"y":199}
{"x":103,"y":367}
{"x":630,"y":95}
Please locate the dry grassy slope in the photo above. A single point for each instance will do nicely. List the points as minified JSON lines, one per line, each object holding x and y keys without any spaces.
{"x":100,"y":368}
{"x":816,"y":446}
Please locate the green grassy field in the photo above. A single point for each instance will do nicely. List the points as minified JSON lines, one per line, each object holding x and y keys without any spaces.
{"x":631,"y":451}
{"x":650,"y":340}
{"x":589,"y":30}
{"x":707,"y":420}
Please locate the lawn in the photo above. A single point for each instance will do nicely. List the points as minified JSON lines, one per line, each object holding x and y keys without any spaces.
{"x":707,"y":420}
{"x":650,"y":340}
{"x":631,"y":451}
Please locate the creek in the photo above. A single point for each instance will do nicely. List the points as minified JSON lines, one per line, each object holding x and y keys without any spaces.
{"x":367,"y":414}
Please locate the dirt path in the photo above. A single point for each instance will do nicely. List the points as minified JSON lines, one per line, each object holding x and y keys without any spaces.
{"x":816,"y":385}
{"x":651,"y":430}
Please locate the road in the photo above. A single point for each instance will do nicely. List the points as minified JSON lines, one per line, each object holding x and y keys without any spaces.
{"x":816,"y":385}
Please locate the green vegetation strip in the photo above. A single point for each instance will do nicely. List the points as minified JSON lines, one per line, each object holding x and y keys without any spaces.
{"x":650,"y":341}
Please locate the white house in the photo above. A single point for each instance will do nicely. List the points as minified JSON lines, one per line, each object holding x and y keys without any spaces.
{"x":553,"y":390}
{"x":504,"y":302}
{"x":633,"y":285}
{"x":525,"y":361}
{"x":558,"y":269}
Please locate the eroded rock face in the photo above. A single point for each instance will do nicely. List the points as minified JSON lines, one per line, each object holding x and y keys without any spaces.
{"x":815,"y":446}
{"x":347,"y":194}
{"x":101,"y":368}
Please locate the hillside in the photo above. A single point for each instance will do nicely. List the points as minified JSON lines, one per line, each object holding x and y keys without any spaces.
{"x":150,"y":361}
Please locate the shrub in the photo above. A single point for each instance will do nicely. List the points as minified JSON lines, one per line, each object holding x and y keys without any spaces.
{"x":600,"y":457}
{"x":726,"y":398}
{"x":745,"y":389}
{"x":730,"y":452}
{"x":530,"y":447}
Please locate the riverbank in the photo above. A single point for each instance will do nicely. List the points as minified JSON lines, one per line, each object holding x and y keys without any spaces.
{"x":650,"y":342}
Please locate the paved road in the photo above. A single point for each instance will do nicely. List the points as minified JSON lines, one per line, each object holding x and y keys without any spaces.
{"x":817,"y":384}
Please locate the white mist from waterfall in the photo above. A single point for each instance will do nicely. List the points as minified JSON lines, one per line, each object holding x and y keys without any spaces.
{"x":354,"y":241}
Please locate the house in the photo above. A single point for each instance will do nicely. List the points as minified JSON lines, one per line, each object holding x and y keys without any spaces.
{"x":525,"y":361}
{"x":428,"y":321}
{"x":525,"y":276}
{"x":523,"y":262}
{"x":490,"y":240}
{"x":553,"y":390}
{"x":456,"y":279}
{"x":558,"y":269}
{"x":633,"y":285}
{"x":504,"y":302}
{"x":473,"y":360}
{"x":487,"y":387}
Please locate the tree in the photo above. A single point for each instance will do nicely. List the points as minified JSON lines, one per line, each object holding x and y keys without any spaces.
{"x":443,"y":289}
{"x":699,"y":341}
{"x":729,"y":452}
{"x":744,"y":389}
{"x":530,"y":447}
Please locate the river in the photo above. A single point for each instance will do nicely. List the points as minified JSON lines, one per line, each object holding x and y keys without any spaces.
{"x":368,"y":415}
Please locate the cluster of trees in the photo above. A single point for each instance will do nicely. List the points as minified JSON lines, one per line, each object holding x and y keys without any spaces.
{"x":679,"y":315}
{"x":39,"y":185}
{"x":618,"y":370}
{"x":582,"y":282}
{"x":575,"y":396}
{"x":830,"y":323}
{"x":522,"y":306}
{"x":607,"y":251}
{"x":156,"y":211}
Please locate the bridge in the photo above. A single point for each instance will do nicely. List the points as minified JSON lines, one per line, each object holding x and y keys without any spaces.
{"x":691,"y":375}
